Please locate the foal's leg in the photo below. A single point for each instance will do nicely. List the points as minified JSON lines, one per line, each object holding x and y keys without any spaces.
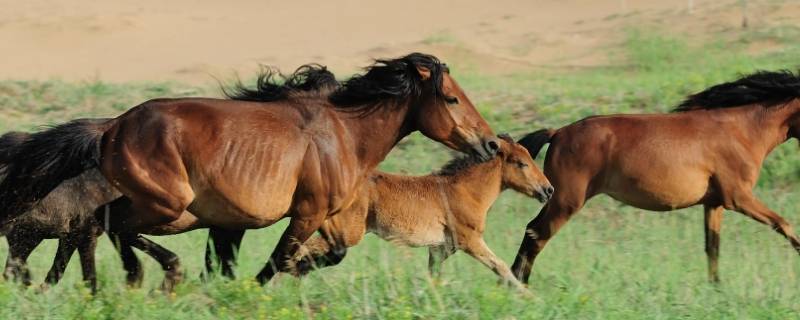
{"x":86,"y":249}
{"x":478,"y":249}
{"x":550,"y":219}
{"x":753,"y":208}
{"x":436,"y":256}
{"x":713,"y":223}
{"x":20,"y":246}
{"x":66,"y":247}
{"x":226,"y":248}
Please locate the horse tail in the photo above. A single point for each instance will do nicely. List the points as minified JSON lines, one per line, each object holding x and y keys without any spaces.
{"x":534,"y":141}
{"x":8,"y":142}
{"x":45,"y":159}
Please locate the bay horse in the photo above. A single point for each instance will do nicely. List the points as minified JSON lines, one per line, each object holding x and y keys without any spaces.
{"x":708,"y":152}
{"x":73,"y":213}
{"x":263,"y":155}
{"x":445,"y":211}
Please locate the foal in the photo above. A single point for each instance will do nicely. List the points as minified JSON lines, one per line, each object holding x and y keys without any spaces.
{"x":67,"y":214}
{"x":73,"y":213}
{"x":445,"y":211}
{"x":709,"y":152}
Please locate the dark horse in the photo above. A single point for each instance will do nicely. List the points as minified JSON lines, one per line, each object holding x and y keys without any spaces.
{"x":73,"y":213}
{"x":708,"y":152}
{"x":250,"y":162}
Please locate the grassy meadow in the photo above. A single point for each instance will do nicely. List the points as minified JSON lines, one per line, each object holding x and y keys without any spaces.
{"x":610,"y":262}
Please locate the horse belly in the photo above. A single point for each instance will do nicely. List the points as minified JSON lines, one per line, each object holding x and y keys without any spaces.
{"x":419,"y":229}
{"x":670,"y":190}
{"x":250,"y":209}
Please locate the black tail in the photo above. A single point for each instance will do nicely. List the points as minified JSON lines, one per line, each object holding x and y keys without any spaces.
{"x":45,"y":159}
{"x":534,"y":141}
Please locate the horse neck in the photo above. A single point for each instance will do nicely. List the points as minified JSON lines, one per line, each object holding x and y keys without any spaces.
{"x":769,"y":126}
{"x":481,"y":182}
{"x":377,"y":132}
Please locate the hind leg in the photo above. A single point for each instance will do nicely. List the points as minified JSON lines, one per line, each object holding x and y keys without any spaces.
{"x":713,"y":224}
{"x":225,"y":250}
{"x":540,"y":230}
{"x":131,"y":263}
{"x":20,"y":246}
{"x":66,"y":247}
{"x":127,"y":237}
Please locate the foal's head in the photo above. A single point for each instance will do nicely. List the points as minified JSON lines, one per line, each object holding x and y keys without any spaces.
{"x":520,"y":173}
{"x":438,"y":107}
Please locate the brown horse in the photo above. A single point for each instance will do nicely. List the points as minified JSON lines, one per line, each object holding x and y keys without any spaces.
{"x":265,"y":155}
{"x":445,"y":211}
{"x":709,"y":152}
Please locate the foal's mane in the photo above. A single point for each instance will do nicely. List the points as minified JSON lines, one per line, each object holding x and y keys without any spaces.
{"x":461,"y":163}
{"x":767,"y":87}
{"x":271,"y":85}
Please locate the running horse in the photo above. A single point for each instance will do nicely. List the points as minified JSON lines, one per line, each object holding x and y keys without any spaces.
{"x":250,"y":161}
{"x":708,"y":152}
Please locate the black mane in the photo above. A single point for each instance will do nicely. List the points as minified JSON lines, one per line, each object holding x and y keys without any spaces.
{"x":271,"y":85}
{"x":767,"y":87}
{"x":396,"y":79}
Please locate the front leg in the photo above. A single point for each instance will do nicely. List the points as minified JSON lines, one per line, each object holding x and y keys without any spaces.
{"x":301,"y":227}
{"x":478,"y":249}
{"x":86,"y":249}
{"x":66,"y":247}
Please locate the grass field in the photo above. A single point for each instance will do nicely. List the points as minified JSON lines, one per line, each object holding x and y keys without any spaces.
{"x":611,"y":262}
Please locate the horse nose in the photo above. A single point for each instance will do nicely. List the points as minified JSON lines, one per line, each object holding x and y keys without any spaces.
{"x":549,"y":191}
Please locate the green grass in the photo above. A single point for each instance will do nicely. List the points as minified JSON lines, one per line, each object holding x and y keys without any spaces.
{"x":610,"y":262}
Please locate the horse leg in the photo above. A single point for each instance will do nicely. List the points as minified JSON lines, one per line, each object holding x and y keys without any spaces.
{"x":339,"y":232}
{"x":713,"y":223}
{"x":753,"y":208}
{"x":66,"y":247}
{"x":20,"y":246}
{"x":436,"y":256}
{"x":130,"y":262}
{"x":167,"y":259}
{"x":86,"y":249}
{"x":301,"y":227}
{"x":550,"y":219}
{"x":478,"y":249}
{"x":226,"y":248}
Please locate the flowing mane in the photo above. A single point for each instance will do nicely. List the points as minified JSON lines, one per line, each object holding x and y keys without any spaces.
{"x":396,"y":79}
{"x":271,"y":85}
{"x":767,"y":87}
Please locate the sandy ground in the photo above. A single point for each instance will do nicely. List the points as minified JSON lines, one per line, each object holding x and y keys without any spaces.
{"x":195,"y":40}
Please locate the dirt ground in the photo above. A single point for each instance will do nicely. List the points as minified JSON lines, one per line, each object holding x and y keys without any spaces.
{"x":194,"y":41}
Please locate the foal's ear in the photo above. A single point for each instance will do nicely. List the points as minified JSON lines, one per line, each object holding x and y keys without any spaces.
{"x":424,"y":73}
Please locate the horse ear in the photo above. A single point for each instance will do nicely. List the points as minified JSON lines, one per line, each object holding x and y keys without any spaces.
{"x":424,"y":73}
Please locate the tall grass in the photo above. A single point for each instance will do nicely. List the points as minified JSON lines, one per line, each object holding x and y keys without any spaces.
{"x":610,"y":262}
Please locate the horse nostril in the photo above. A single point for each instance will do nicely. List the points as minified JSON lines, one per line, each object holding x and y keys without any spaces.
{"x":549,"y":191}
{"x":492,"y":145}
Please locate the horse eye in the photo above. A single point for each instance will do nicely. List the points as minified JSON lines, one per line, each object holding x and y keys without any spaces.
{"x":451,"y":100}
{"x":522,"y":164}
